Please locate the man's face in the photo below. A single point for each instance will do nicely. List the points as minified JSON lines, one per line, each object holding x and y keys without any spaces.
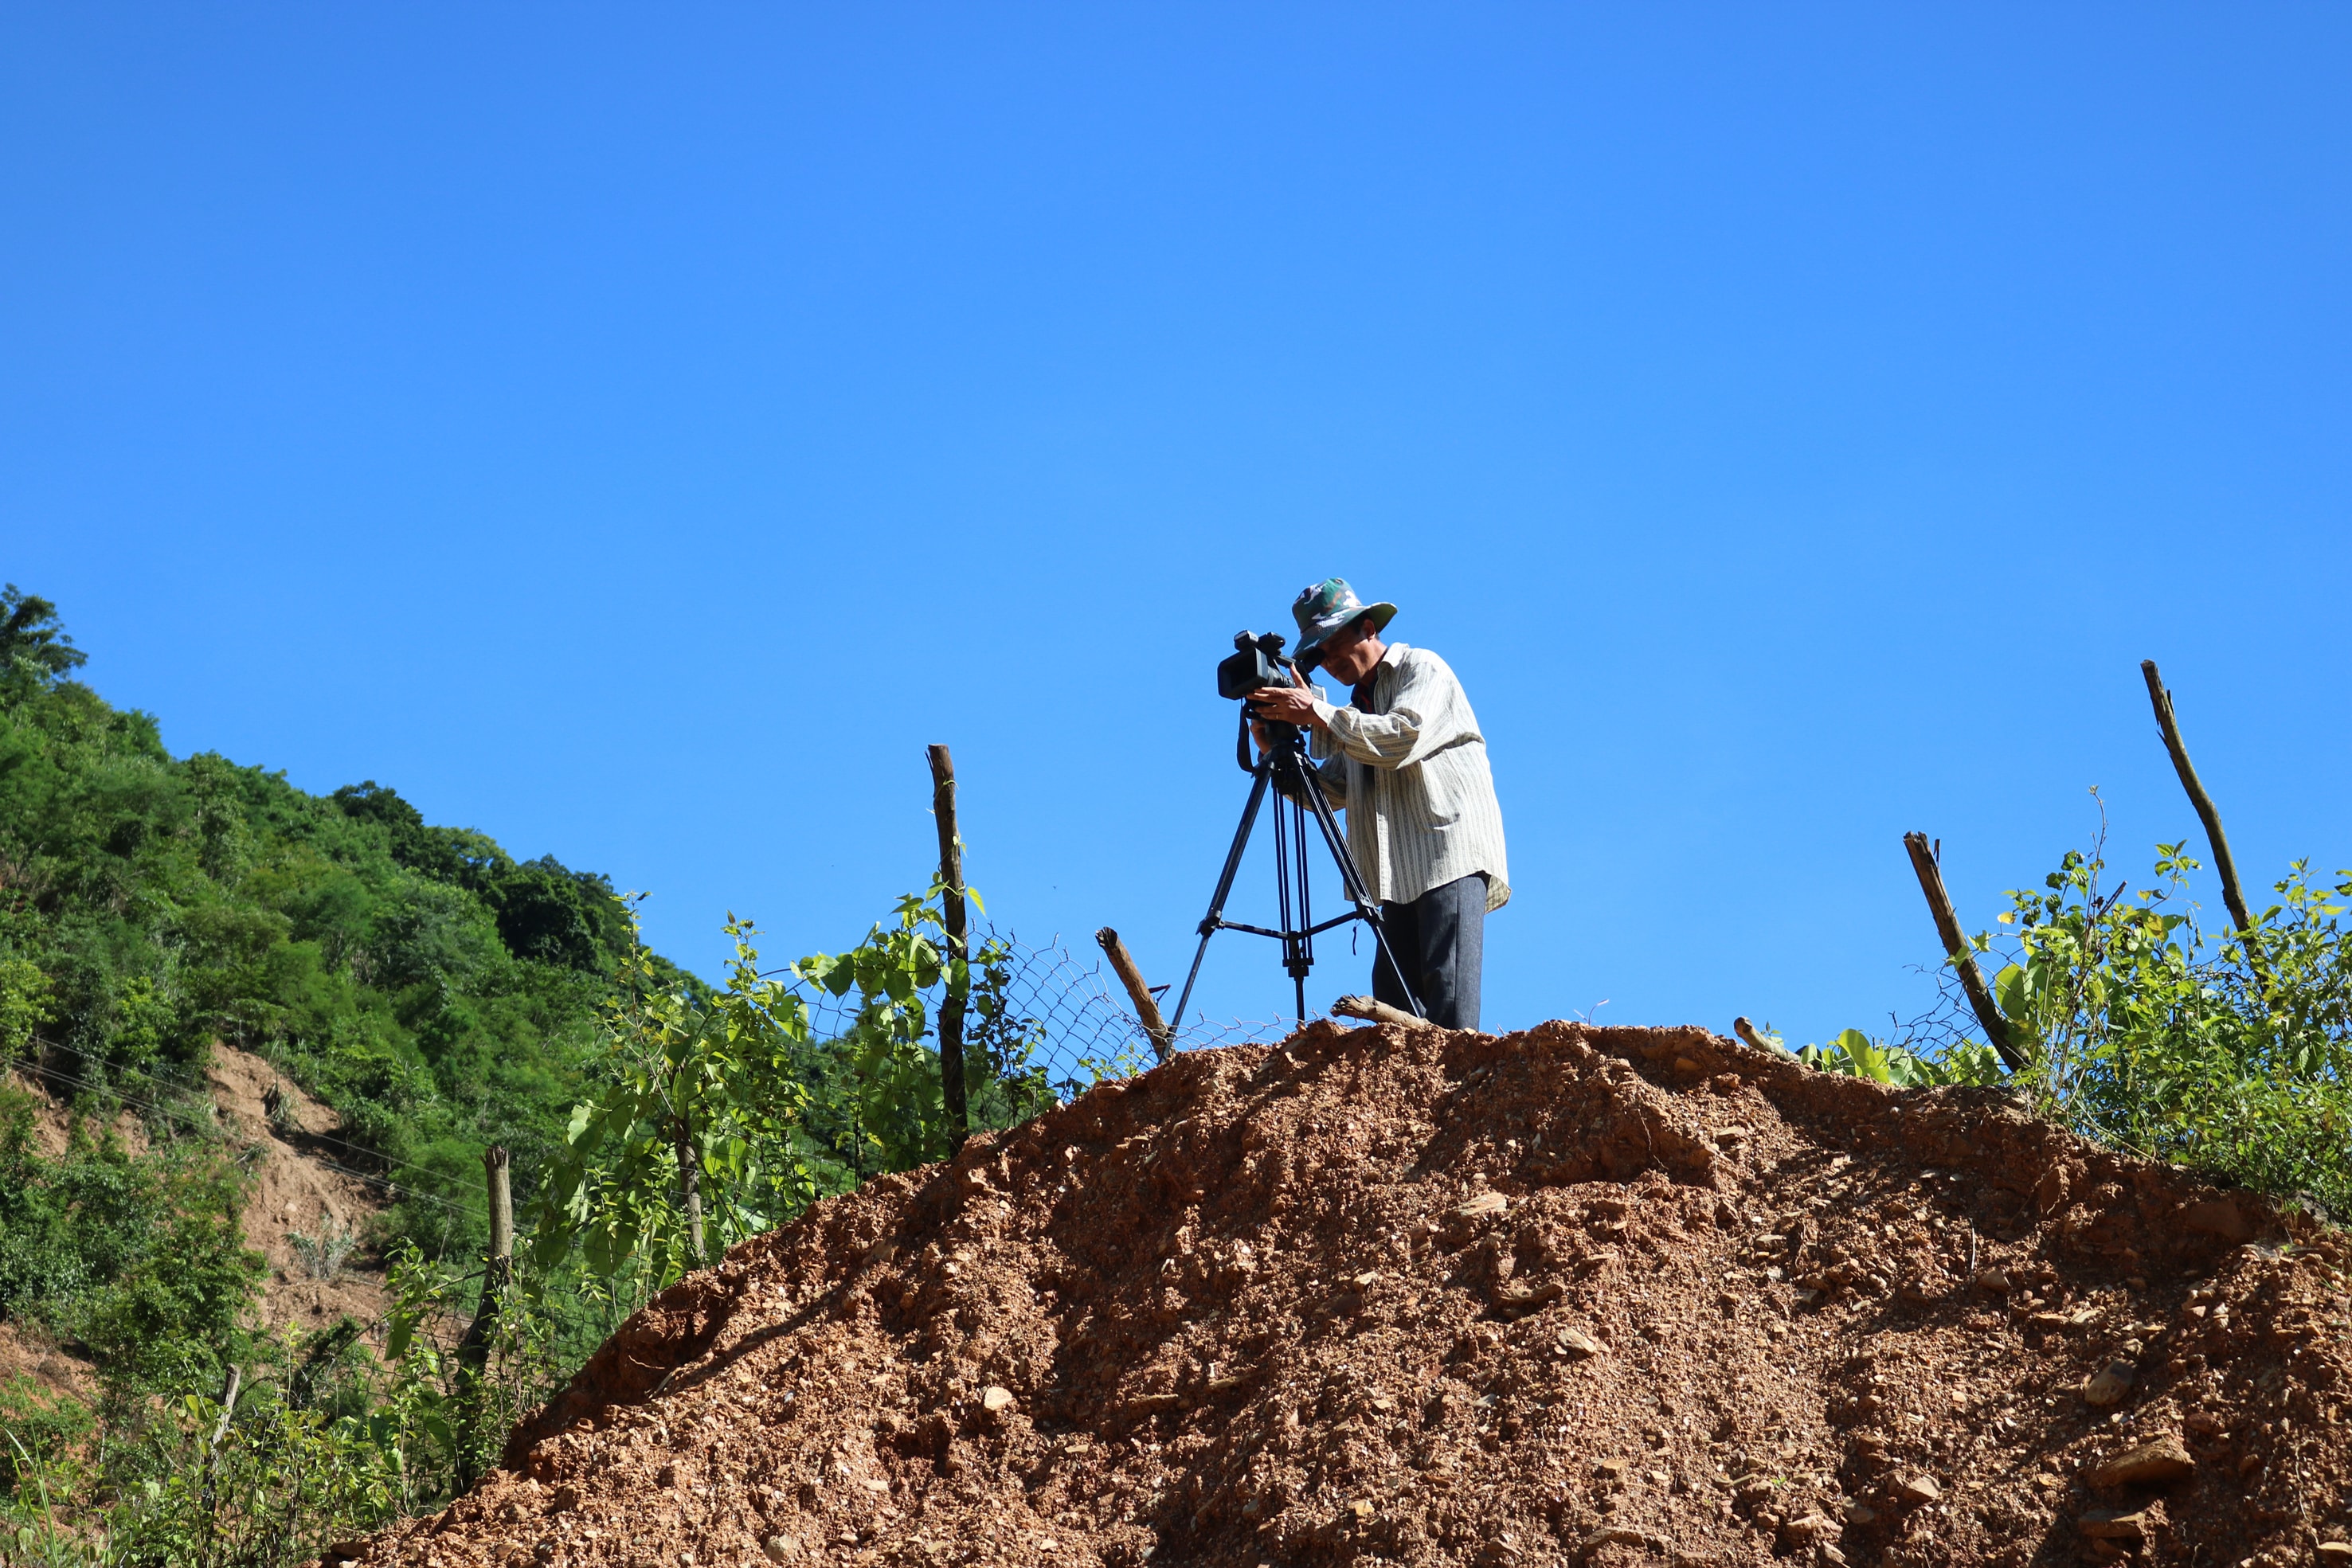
{"x":1350,"y":653}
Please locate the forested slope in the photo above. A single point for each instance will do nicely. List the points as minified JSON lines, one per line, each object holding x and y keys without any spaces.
{"x":437,"y":992}
{"x":231,"y":1009}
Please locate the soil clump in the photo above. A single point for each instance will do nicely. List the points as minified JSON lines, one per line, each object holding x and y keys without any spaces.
{"x":1574,"y":1295}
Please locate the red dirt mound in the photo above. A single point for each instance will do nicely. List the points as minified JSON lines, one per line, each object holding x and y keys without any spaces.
{"x":1572,"y":1295}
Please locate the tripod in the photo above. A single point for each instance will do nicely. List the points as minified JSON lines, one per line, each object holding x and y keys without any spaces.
{"x":1285,"y":766}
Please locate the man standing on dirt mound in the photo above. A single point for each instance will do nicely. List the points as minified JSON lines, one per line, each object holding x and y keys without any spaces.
{"x":1406,"y":760}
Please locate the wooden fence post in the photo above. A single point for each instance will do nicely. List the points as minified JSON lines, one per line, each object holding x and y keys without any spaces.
{"x":2206,"y":812}
{"x":1146,"y":1006}
{"x":498,"y":1267}
{"x":498,"y":1272}
{"x":951,"y":1077}
{"x":230,"y":1386}
{"x":1955,"y":948}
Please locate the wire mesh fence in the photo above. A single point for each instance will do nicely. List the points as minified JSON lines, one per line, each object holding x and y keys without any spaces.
{"x":1045,"y":1013}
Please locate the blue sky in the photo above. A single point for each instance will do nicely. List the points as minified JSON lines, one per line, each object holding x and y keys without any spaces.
{"x":636,"y":433}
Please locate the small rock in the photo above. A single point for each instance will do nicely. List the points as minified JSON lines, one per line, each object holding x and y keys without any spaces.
{"x":1485,"y":1204}
{"x":2109,"y":1385}
{"x":779,"y":1548}
{"x":995,"y":1400}
{"x":1995,"y":1281}
{"x":1523,"y":1299}
{"x":2108,"y":1524}
{"x":2334,"y":1552}
{"x":2156,"y":1460}
{"x":1361,"y":1508}
{"x":1367,"y":1280}
{"x":1578,"y":1344}
{"x":1610,"y":1535}
{"x":1920,"y":1487}
{"x":1728,"y":1135}
{"x":2218,"y":1217}
{"x":567,"y":1498}
{"x":1862,"y":1513}
{"x":1812,"y":1529}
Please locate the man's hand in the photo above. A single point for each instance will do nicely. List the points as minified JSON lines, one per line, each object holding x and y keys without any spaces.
{"x":1279,"y":705}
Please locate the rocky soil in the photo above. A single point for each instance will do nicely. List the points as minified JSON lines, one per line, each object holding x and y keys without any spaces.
{"x":1575,"y":1295}
{"x":298,"y":1188}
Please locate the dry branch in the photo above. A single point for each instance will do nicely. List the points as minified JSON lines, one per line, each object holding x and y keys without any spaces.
{"x":943,"y":808}
{"x":1146,"y":1006}
{"x":2207,"y":813}
{"x":1955,"y":948}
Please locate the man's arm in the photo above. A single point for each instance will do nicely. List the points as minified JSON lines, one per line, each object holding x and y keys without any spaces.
{"x":1426,"y":714}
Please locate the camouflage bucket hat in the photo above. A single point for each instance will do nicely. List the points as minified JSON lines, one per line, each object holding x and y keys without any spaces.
{"x":1327,"y":606}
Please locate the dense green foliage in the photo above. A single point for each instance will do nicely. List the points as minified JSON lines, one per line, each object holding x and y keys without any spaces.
{"x":2230,"y":1053}
{"x":438,"y":994}
{"x":696,"y":1140}
{"x":139,"y":1259}
{"x":441,"y":997}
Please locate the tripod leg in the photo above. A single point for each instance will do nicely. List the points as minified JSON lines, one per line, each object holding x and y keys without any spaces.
{"x":1296,"y":875}
{"x":1311,"y":787}
{"x":1264,"y":772}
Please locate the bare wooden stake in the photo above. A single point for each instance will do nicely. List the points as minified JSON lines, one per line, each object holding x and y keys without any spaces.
{"x":951,"y":1083}
{"x":229,"y":1386}
{"x":498,"y":1272}
{"x":2207,"y":813}
{"x":497,"y":1265}
{"x":1146,"y":1006}
{"x":1955,"y":948}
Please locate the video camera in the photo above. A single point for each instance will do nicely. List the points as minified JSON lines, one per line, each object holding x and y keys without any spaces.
{"x":1256,"y":663}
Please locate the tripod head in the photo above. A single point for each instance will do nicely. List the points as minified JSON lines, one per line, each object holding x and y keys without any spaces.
{"x":1281,"y":740}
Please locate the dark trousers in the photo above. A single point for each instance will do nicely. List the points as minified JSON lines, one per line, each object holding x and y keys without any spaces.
{"x":1439,"y":938}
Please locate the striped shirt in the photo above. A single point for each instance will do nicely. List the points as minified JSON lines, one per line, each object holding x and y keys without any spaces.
{"x":1411,"y":768}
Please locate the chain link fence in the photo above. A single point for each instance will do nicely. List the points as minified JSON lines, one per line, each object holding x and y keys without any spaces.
{"x":1048,"y":1014}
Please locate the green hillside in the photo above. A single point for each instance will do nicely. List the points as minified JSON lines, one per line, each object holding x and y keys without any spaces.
{"x":441,"y":998}
{"x":438,"y":993}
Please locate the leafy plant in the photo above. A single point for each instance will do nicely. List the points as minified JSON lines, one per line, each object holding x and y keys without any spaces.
{"x":688,"y":1145}
{"x":1855,"y":1054}
{"x":2229,"y":1052}
{"x":24,"y":1004}
{"x":323,"y":1255}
